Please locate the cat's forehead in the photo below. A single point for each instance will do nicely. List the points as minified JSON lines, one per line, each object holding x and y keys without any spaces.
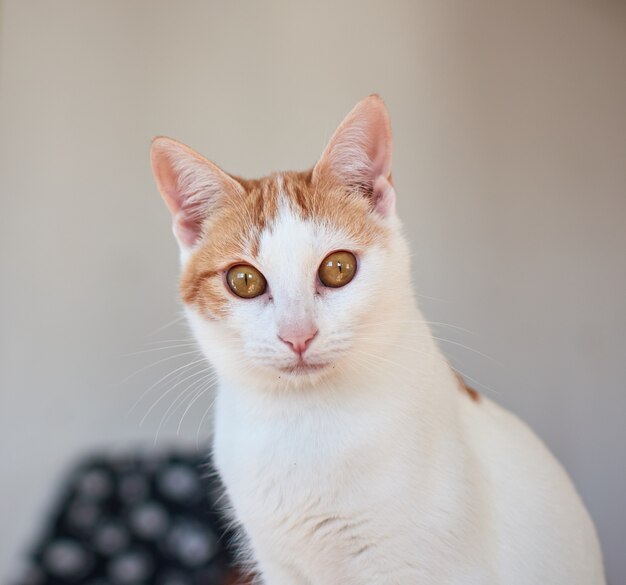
{"x":285,"y":208}
{"x":300,"y":241}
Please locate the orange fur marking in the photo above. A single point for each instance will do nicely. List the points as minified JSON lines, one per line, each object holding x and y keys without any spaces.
{"x":473,"y":394}
{"x":232,"y":232}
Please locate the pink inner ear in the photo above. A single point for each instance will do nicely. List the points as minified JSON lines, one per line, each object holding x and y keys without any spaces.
{"x":166,"y":177}
{"x":186,"y":221}
{"x":359,"y":153}
{"x":190,"y":185}
{"x":186,"y":229}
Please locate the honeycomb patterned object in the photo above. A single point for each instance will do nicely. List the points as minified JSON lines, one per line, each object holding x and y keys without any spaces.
{"x":139,"y":519}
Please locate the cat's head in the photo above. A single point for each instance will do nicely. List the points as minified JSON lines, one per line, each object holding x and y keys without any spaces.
{"x":297,"y":276}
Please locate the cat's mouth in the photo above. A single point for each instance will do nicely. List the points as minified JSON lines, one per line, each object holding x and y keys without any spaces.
{"x":303,"y":367}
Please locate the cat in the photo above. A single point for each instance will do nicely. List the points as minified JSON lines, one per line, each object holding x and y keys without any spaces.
{"x":347,"y":451}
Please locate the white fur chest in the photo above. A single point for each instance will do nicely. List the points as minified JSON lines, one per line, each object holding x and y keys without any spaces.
{"x":347,"y":491}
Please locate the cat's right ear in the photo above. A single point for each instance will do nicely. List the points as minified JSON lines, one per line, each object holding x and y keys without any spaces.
{"x":190,"y":185}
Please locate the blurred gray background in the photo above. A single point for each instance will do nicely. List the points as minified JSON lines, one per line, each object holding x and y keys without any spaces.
{"x":510,"y":164}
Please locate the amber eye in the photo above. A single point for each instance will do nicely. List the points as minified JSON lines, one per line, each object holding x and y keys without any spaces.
{"x":246,"y":281}
{"x":337,"y":269}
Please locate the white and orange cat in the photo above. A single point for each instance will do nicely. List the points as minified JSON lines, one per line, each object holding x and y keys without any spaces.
{"x":349,"y":454}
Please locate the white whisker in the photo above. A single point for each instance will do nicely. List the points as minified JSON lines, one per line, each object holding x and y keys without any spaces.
{"x":162,"y":379}
{"x":170,"y":390}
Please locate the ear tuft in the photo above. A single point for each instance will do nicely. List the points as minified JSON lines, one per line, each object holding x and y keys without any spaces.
{"x":190,"y":185}
{"x":384,"y":197}
{"x":359,"y":154}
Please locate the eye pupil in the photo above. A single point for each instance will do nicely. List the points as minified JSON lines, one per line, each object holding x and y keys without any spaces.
{"x":337,"y":269}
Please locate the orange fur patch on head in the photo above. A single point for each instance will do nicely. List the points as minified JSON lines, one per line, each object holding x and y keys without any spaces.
{"x":326,"y":200}
{"x":232,"y":233}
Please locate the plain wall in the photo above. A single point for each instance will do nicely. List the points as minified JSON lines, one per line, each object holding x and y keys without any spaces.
{"x":510,"y":164}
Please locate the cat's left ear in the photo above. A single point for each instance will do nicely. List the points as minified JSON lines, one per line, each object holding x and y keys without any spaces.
{"x":191,"y":186}
{"x":359,"y":155}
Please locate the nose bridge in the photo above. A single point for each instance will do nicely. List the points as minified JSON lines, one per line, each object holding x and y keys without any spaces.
{"x":294,"y":310}
{"x":296,"y":326}
{"x":290,"y":272}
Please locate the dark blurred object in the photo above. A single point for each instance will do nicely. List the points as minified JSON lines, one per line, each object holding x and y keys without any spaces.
{"x":140,"y":519}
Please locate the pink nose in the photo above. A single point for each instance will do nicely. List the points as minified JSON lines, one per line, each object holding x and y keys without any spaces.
{"x":298,"y":339}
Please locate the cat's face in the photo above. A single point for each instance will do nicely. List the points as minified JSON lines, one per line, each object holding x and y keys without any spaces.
{"x":286,"y":278}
